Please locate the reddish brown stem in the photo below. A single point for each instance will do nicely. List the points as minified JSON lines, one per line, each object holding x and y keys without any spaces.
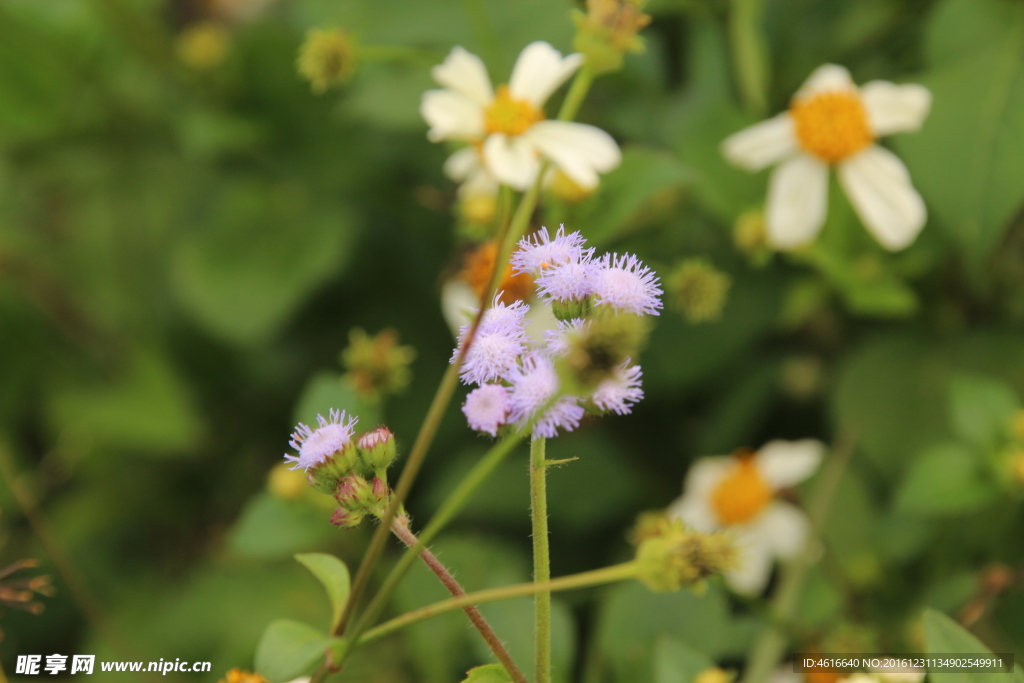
{"x":407,"y":537}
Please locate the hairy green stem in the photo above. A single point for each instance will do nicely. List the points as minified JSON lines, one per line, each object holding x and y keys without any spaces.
{"x":770,"y":645}
{"x":618,"y":572}
{"x":749,"y":53}
{"x":405,"y":534}
{"x":541,"y":558}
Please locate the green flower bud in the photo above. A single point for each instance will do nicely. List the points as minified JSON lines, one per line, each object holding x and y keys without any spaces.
{"x":377,"y":449}
{"x":671,"y":556}
{"x":572,"y":309}
{"x":326,"y":475}
{"x":377,"y":365}
{"x":608,"y":31}
{"x":597,"y":348}
{"x":327,"y":58}
{"x":698,"y":290}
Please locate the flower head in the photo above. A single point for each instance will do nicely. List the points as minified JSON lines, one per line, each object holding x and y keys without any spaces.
{"x":556,"y":341}
{"x":508,"y":125}
{"x":626,"y":284}
{"x":317,"y":446}
{"x":327,"y":58}
{"x":486,"y":408}
{"x":499,"y":341}
{"x":619,"y":392}
{"x":539,"y":252}
{"x":534,"y":383}
{"x":571,"y":281}
{"x":832,"y":122}
{"x":738,"y":493}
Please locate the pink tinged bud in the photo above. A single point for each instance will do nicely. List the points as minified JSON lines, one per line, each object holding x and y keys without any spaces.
{"x":486,"y":408}
{"x":377,"y":449}
{"x":380,"y":490}
{"x":347,"y":519}
{"x":353,"y":492}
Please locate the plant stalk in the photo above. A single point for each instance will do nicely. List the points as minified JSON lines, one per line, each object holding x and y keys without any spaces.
{"x":541,"y":559}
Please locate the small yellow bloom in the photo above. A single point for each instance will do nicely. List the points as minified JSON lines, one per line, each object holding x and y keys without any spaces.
{"x":327,"y":58}
{"x":240,"y":676}
{"x":203,"y":46}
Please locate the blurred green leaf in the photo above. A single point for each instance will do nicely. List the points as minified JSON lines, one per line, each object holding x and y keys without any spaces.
{"x":942,"y":635}
{"x":946,"y":479}
{"x":968,"y":155}
{"x":327,"y":390}
{"x":333,"y":574}
{"x":489,"y":673}
{"x":648,"y":181}
{"x":674,"y":662}
{"x":981,"y":408}
{"x":288,"y":649}
{"x":263,"y":250}
{"x":272,"y":528}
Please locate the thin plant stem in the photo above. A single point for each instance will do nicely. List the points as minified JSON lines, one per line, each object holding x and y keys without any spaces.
{"x":618,"y":572}
{"x":749,"y":53}
{"x":577,"y":93}
{"x":541,"y":558}
{"x":448,"y":510}
{"x":770,"y":645}
{"x":405,"y":534}
{"x":84,"y":599}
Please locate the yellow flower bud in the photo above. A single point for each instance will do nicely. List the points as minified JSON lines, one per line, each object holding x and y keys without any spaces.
{"x":203,"y":46}
{"x":327,"y":58}
{"x":670,"y":556}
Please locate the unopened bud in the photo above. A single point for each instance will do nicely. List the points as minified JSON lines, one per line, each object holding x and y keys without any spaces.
{"x":380,"y":491}
{"x":377,"y":365}
{"x":377,"y":449}
{"x":595,"y":350}
{"x":327,"y":58}
{"x":203,"y":46}
{"x":326,"y":475}
{"x":679,"y":557}
{"x":609,"y":30}
{"x":698,"y":290}
{"x":348,"y":519}
{"x":354,"y":492}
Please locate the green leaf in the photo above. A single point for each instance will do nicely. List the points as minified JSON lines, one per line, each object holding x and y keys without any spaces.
{"x":489,"y":673}
{"x":942,"y":635}
{"x":288,"y":649}
{"x":261,"y":250}
{"x":981,"y":408}
{"x":675,"y":662}
{"x":333,"y":574}
{"x":945,"y":480}
{"x":968,"y":156}
{"x":326,"y":390}
{"x":646,"y":183}
{"x":273,"y":528}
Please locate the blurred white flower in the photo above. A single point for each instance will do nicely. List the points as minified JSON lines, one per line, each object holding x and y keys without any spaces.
{"x":832,"y":122}
{"x":737,"y":493}
{"x":507,"y":129}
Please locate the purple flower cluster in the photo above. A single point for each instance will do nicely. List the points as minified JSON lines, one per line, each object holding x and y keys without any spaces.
{"x":517,"y":382}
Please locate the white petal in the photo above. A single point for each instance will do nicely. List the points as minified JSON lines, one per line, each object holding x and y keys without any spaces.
{"x":451,"y":116}
{"x":464,"y":72}
{"x":480,"y":182}
{"x":539,"y":70}
{"x":462,"y":164}
{"x":458,"y":301}
{"x":762,"y":144}
{"x":512,"y":161}
{"x":695,"y":512}
{"x":797,"y":200}
{"x":826,"y":78}
{"x":581,"y":151}
{"x":754,"y":566}
{"x":879,"y":188}
{"x":705,"y":474}
{"x":783,"y":529}
{"x":895,"y":108}
{"x":785,"y":463}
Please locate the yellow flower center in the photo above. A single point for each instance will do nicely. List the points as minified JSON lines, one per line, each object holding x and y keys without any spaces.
{"x":509,"y":115}
{"x":832,"y":126}
{"x":741,"y":495}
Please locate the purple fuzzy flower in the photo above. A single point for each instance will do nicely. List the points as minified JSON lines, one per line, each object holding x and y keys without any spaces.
{"x":619,"y":392}
{"x":538,"y":252}
{"x":499,"y":341}
{"x":625,"y":283}
{"x":569,"y":282}
{"x":556,"y":341}
{"x":316,"y":446}
{"x":486,"y":408}
{"x":534,"y":383}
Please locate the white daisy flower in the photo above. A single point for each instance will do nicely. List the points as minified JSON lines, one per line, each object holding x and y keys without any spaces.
{"x":507,"y":129}
{"x":832,"y":122}
{"x":738,"y":493}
